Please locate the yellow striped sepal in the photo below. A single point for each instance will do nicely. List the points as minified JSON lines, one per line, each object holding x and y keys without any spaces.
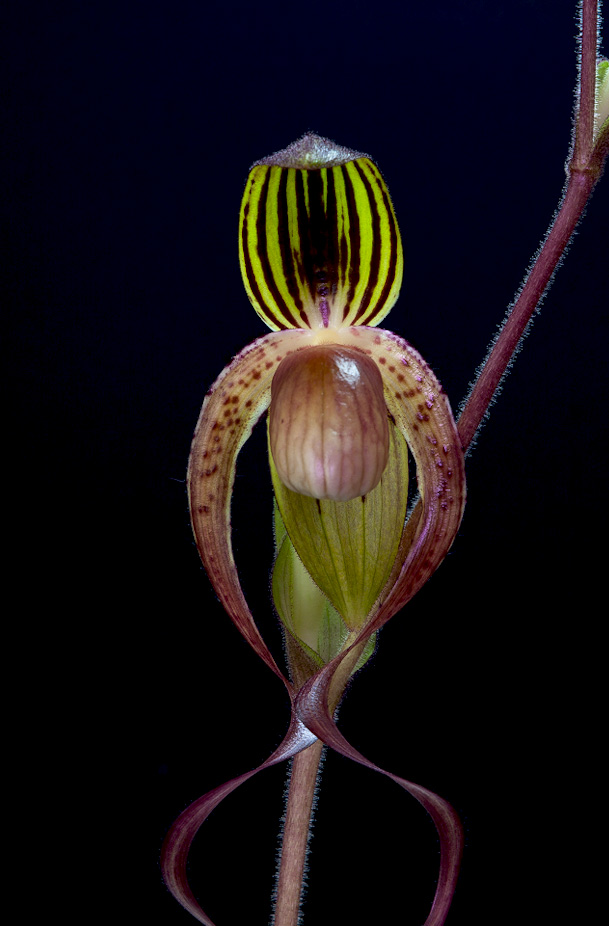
{"x":319,"y":244}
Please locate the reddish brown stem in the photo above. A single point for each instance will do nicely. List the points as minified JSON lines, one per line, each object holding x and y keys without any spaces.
{"x":305,"y":768}
{"x":576,"y":196}
{"x":583,"y":174}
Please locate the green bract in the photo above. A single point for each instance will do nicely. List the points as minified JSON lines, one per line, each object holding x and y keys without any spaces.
{"x":316,"y":633}
{"x":601,"y":117}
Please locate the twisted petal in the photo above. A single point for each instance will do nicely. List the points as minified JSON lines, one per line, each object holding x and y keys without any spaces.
{"x":421,"y":413}
{"x":311,"y":706}
{"x":177,"y":843}
{"x":233,"y":405}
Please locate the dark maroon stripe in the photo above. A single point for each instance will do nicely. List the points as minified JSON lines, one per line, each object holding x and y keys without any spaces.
{"x":317,"y":232}
{"x":305,"y":265}
{"x":355,"y":240}
{"x":332,"y":257}
{"x":251,"y":278}
{"x":393,"y":258}
{"x":285,"y":247}
{"x":375,"y":259}
{"x":322,"y":276}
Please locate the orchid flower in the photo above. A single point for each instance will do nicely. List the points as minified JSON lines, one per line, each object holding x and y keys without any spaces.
{"x":347,"y":402}
{"x":321,"y":259}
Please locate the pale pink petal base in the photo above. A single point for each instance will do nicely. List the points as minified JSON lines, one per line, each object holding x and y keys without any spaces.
{"x":179,"y":839}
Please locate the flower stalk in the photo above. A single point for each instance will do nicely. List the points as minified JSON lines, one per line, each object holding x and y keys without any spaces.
{"x":584,"y":168}
{"x":295,"y":835}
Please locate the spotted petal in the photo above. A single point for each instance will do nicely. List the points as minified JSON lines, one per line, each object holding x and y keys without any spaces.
{"x":233,"y":405}
{"x":422,"y":412}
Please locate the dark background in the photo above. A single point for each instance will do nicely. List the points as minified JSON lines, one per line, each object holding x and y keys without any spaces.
{"x":129,"y":132}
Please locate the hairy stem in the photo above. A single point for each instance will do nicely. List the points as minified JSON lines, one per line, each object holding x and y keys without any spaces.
{"x":576,"y":196}
{"x":583,"y":174}
{"x":301,"y":793}
{"x":303,"y":778}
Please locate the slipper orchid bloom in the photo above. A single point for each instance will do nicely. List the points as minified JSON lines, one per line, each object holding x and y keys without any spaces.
{"x":321,"y":259}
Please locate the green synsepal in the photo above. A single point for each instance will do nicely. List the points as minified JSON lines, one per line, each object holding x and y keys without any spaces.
{"x":349,"y":548}
{"x":304,"y":610}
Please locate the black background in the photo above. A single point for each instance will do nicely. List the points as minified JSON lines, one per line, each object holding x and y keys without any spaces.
{"x":130,"y":129}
